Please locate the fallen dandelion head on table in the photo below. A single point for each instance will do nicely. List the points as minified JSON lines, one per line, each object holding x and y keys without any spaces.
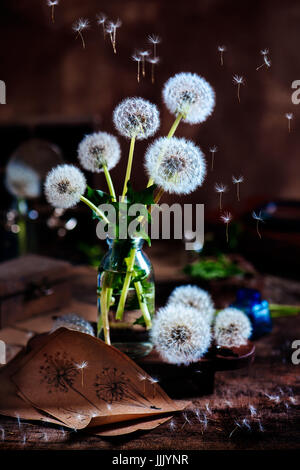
{"x":180,"y":334}
{"x":73,"y":322}
{"x":97,"y":150}
{"x":232,"y":328}
{"x":189,"y":95}
{"x":194,"y":296}
{"x":176,"y":165}
{"x":136,"y":118}
{"x":64,"y":186}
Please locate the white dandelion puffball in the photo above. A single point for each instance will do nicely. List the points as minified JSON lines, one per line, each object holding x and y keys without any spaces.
{"x":193,"y":296}
{"x":73,"y":322}
{"x":22,"y":181}
{"x":136,"y":117}
{"x":99,"y":149}
{"x":64,"y":185}
{"x":180,"y":334}
{"x":190,"y":95}
{"x":177,"y":165}
{"x":232,"y":328}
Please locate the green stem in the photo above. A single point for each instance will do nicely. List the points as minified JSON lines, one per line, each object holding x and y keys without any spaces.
{"x":104,"y":315}
{"x":283,"y":310}
{"x":125,"y":288}
{"x":143,"y":305}
{"x":129,"y":166}
{"x":109,"y":183}
{"x":94,"y":208}
{"x":171,"y":133}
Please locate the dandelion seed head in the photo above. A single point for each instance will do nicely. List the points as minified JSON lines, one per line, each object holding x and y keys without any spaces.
{"x":73,"y":322}
{"x":195,"y":297}
{"x":289,"y":116}
{"x":177,"y":165}
{"x":136,"y":57}
{"x":232,"y":328}
{"x":238,"y":179}
{"x":64,"y":186}
{"x":222,"y":48}
{"x":98,"y":149}
{"x":257,"y":216}
{"x":153,"y":380}
{"x":190,"y":95}
{"x":22,"y":181}
{"x":142,"y":377}
{"x":153,"y":60}
{"x":144,"y":53}
{"x":116,"y":24}
{"x":153,"y":39}
{"x":136,"y":117}
{"x":226,"y":217}
{"x":238,"y":79}
{"x":101,"y":18}
{"x":220,"y":188}
{"x":80,"y":25}
{"x":82,"y":365}
{"x":180,"y":334}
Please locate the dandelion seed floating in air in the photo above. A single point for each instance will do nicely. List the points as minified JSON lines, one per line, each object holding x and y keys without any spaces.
{"x":220,"y":188}
{"x":78,"y":27}
{"x":52,"y":4}
{"x":226,"y":218}
{"x":267,"y":61}
{"x":137,"y":59}
{"x":143,"y":378}
{"x":153,"y":61}
{"x":213,"y":150}
{"x":144,"y":55}
{"x":238,"y":80}
{"x":222,"y":49}
{"x":153,"y":381}
{"x":289,"y":117}
{"x":101,"y":19}
{"x":111,"y":29}
{"x":237,"y":181}
{"x":81,"y":366}
{"x":258,"y":217}
{"x":153,"y":39}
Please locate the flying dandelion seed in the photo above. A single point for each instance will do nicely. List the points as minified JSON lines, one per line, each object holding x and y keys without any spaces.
{"x":186,"y":419}
{"x":238,"y":80}
{"x":220,"y":188}
{"x":222,"y":49}
{"x":143,"y":378}
{"x":172,"y":425}
{"x":101,"y":19}
{"x":153,"y":61}
{"x":112,"y":31}
{"x":213,"y":150}
{"x":153,"y":381}
{"x":137,"y":59}
{"x":153,"y":39}
{"x":252,"y":410}
{"x":81,"y":366}
{"x":52,"y":4}
{"x":226,"y":218}
{"x":267,"y":61}
{"x":258,"y":217}
{"x":144,"y":55}
{"x":289,"y":117}
{"x":80,"y":26}
{"x":237,"y":181}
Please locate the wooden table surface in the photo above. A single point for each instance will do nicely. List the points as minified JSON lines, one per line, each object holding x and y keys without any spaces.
{"x":252,"y":408}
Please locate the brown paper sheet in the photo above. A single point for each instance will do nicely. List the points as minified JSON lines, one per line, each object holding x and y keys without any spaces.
{"x":110,"y":390}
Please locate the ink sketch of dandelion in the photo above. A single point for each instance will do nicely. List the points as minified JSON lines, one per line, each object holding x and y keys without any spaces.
{"x":58,"y":372}
{"x":113,"y":386}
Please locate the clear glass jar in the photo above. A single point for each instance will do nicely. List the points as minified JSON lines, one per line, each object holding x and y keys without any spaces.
{"x":126,"y":297}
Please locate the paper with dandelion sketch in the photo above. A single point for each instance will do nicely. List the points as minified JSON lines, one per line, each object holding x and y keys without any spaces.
{"x":81,"y":381}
